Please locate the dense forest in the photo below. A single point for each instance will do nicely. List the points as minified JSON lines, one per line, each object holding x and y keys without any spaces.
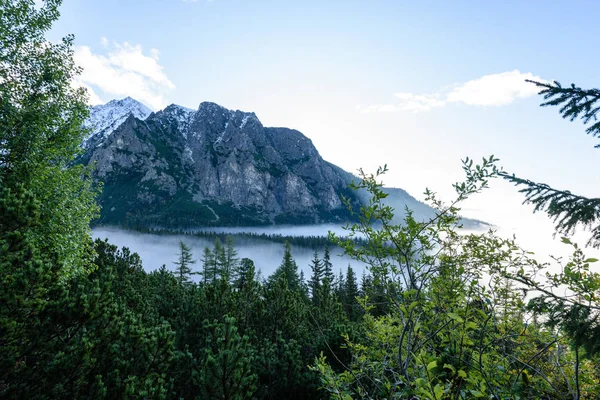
{"x":439,"y":315}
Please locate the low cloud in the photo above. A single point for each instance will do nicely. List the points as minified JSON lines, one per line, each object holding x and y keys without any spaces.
{"x":123,"y":70}
{"x":488,"y":91}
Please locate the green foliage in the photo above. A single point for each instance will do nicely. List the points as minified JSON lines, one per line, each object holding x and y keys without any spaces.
{"x":226,"y":373}
{"x":574,"y":103}
{"x":453,"y":325}
{"x":574,"y":310}
{"x":568,"y":210}
{"x":40,"y":133}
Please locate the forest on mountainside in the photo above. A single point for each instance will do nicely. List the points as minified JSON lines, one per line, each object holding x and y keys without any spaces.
{"x":440,"y":315}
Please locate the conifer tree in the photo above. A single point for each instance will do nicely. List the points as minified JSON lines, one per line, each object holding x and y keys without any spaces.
{"x":316,"y":277}
{"x":230,"y":269}
{"x":209,"y":266}
{"x":246,"y":272}
{"x":220,"y":259}
{"x":183,"y":264}
{"x":227,"y":372}
{"x":576,"y":313}
{"x":351,"y":306}
{"x":327,"y":266}
{"x":288,"y":270}
{"x":339,"y":286}
{"x":568,"y":210}
{"x":365,"y":284}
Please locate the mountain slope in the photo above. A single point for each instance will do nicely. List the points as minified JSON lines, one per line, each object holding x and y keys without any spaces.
{"x":212,"y":166}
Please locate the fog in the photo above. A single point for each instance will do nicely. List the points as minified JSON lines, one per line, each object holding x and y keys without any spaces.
{"x":156,"y":250}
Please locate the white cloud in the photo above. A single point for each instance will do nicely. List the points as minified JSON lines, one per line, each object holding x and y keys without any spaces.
{"x":124,"y":71}
{"x":495,"y":90}
{"x":488,"y":91}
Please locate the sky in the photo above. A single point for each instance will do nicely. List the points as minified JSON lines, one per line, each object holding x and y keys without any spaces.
{"x":416,"y":85}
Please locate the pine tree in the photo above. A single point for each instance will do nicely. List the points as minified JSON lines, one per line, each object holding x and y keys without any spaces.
{"x":327,"y":266}
{"x":366,"y":284}
{"x":183,"y":268}
{"x":339,"y":286}
{"x":227,"y":370}
{"x":209,"y":267}
{"x":351,"y":306}
{"x":230,"y":269}
{"x":246,"y":272}
{"x":288,"y":270}
{"x":220,"y":259}
{"x":568,"y":210}
{"x":316,"y":277}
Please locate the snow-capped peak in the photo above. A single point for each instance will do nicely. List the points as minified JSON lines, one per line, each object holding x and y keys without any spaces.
{"x":182,"y":117}
{"x":104,"y":119}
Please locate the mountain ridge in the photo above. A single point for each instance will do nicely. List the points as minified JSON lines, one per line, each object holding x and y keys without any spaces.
{"x":179,"y":167}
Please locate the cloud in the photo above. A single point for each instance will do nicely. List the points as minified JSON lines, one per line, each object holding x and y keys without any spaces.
{"x":124,"y":71}
{"x":487,"y":91}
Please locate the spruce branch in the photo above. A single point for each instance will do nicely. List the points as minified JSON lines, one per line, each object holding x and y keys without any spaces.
{"x":575,"y":103}
{"x":566,"y":209}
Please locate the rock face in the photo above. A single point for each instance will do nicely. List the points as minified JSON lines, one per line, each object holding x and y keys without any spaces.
{"x":180,"y":168}
{"x":211,"y":166}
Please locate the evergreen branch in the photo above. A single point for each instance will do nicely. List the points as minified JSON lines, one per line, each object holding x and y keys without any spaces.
{"x":565,"y":208}
{"x":575,"y":103}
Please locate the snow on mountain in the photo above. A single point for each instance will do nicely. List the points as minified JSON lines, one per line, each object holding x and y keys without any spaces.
{"x":180,"y":116}
{"x":104,"y":119}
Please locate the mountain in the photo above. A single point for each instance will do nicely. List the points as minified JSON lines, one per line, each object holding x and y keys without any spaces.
{"x":104,"y":119}
{"x":180,"y":167}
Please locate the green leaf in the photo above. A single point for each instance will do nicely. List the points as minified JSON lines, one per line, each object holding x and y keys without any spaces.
{"x":471,"y":325}
{"x":591,"y":260}
{"x":456,"y":317}
{"x":438,"y":390}
{"x":431,"y":365}
{"x":450,"y":367}
{"x":462,"y":374}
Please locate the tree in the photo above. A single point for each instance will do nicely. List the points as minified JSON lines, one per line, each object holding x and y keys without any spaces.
{"x":446,"y":332}
{"x":327,"y":266}
{"x":227,"y":373}
{"x":46,"y":203}
{"x":287,"y":270}
{"x":246,"y":272}
{"x":230,"y":269}
{"x":316,"y":277}
{"x":576,"y":312}
{"x":568,"y":210}
{"x":41,"y":118}
{"x":183,"y":270}
{"x":209,"y":266}
{"x":220,"y":259}
{"x":351,"y":306}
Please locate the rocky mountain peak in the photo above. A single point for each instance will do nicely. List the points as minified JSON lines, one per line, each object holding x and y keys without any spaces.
{"x":105,"y":118}
{"x":180,"y":167}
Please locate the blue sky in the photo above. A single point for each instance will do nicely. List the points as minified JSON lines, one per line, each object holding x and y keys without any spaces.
{"x":414,"y":84}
